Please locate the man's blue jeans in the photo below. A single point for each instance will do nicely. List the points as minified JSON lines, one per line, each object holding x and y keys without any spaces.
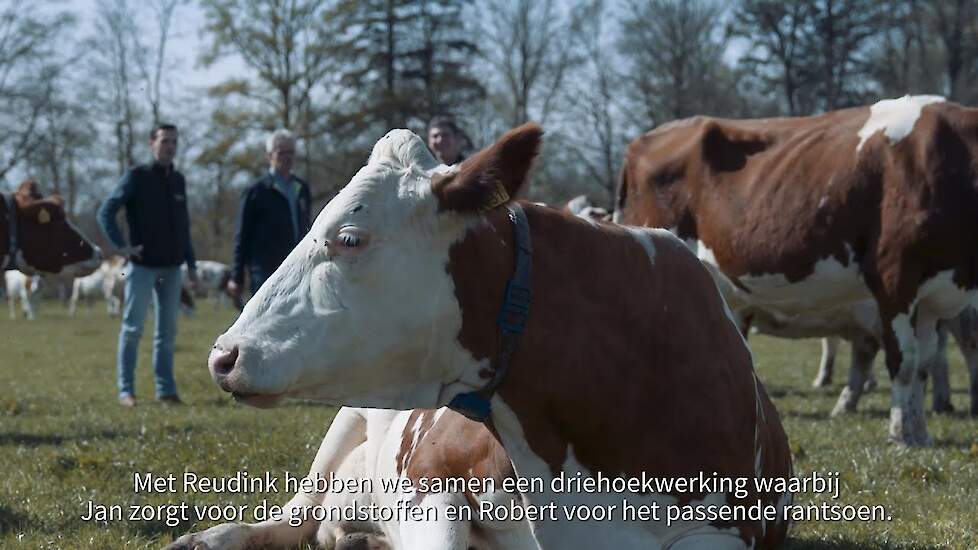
{"x":164,"y":284}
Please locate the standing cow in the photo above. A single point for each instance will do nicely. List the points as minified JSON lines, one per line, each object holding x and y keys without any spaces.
{"x":393,"y":298}
{"x":795,"y":216}
{"x":107,"y":282}
{"x":21,"y":287}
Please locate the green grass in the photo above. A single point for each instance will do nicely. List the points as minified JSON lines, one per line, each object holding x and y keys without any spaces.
{"x":65,"y":441}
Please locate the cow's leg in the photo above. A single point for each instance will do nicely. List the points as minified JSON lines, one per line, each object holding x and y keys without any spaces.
{"x":73,"y":301}
{"x":964,"y":327}
{"x":907,"y":343}
{"x":10,"y":304}
{"x":941,"y":398}
{"x":345,"y":436}
{"x":439,"y":534}
{"x":25,"y":302}
{"x":824,"y":377}
{"x":864,"y":350}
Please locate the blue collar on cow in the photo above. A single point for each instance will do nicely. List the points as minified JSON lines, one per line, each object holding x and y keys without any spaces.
{"x":12,"y":244}
{"x":511,"y":320}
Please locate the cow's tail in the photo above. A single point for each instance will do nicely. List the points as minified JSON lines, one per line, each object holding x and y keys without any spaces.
{"x":621,"y":194}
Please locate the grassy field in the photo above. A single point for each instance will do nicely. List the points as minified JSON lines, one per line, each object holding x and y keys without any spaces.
{"x":64,"y":441}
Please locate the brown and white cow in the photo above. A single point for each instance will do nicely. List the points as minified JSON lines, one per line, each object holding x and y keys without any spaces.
{"x":799,"y":215}
{"x":391,"y":301}
{"x":36,"y":236}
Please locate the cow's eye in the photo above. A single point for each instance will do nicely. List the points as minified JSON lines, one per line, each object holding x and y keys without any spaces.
{"x":350,"y":241}
{"x":351,"y":237}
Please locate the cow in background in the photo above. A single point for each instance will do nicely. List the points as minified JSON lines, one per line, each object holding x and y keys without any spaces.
{"x":213,"y":277}
{"x":37,"y":237}
{"x":795,"y":216}
{"x":107,"y":282}
{"x":22,"y":287}
{"x":582,"y":207}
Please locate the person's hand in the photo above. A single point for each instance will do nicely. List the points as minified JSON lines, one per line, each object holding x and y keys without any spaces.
{"x":132,"y":252}
{"x":233,"y":288}
{"x":194,"y":280}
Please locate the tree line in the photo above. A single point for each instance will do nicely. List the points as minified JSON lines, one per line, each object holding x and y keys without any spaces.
{"x":76,"y":107}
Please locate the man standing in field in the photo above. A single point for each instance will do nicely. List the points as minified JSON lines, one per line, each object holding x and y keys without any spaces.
{"x":155,"y":200}
{"x":272,"y":219}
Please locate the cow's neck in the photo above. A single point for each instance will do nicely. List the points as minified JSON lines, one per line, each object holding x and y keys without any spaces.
{"x":609,"y":338}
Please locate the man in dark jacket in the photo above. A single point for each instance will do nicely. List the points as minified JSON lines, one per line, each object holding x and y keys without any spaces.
{"x":272,"y":219}
{"x":155,"y":199}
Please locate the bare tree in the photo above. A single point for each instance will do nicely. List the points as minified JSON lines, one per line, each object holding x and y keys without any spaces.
{"x":29,"y":63}
{"x":673,"y":49}
{"x":595,"y":107}
{"x":530,"y":48}
{"x":287,"y":45}
{"x":151,"y":62}
{"x":776,"y":30}
{"x":955,"y":24}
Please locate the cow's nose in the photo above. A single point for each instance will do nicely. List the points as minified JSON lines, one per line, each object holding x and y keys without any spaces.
{"x":222,"y":361}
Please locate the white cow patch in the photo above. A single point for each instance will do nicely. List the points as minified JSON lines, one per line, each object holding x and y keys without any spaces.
{"x":831,"y":283}
{"x":895,"y":117}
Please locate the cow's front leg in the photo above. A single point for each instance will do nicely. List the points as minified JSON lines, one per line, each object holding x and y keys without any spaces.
{"x":824,"y":377}
{"x":341,"y":453}
{"x":438,"y":533}
{"x":906,"y":343}
{"x":941,"y":399}
{"x":864,"y":350}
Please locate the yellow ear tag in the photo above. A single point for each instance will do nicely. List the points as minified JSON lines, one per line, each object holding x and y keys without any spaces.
{"x":43,"y":216}
{"x":498,"y":196}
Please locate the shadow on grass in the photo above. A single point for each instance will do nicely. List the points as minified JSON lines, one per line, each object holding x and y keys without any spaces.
{"x":38,"y":440}
{"x":11,"y":521}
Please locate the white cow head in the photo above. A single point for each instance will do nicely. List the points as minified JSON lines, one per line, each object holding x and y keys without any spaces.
{"x":363,"y":312}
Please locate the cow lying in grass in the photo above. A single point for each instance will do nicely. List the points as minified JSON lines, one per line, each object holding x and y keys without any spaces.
{"x":393,"y":300}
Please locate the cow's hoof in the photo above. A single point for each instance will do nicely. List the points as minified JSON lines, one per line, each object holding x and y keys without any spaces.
{"x":943,"y":407}
{"x":870,"y":385}
{"x":822,"y":382}
{"x":974,"y":412}
{"x":847,"y":402}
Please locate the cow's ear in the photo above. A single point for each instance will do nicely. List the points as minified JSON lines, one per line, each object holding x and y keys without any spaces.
{"x":492,"y":176}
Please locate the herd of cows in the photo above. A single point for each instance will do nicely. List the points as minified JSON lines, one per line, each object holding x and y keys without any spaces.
{"x":469,"y":335}
{"x":108,"y":283}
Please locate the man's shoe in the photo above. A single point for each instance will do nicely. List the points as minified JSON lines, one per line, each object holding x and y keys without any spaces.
{"x":170,"y":399}
{"x":127,"y":400}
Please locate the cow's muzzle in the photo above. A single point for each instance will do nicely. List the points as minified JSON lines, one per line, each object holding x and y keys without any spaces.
{"x":221,"y":363}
